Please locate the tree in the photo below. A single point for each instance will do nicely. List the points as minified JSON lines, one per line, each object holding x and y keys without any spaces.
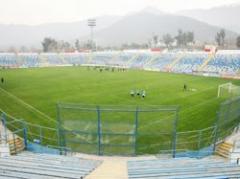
{"x":77,"y":45}
{"x":184,"y":38}
{"x":23,"y":49}
{"x":180,"y":38}
{"x":238,"y":42}
{"x":87,"y":45}
{"x":223,"y":35}
{"x":155,"y":40}
{"x":63,"y":46}
{"x":12,"y":49}
{"x":190,"y":37}
{"x":220,"y":37}
{"x":49,"y":44}
{"x":168,"y":40}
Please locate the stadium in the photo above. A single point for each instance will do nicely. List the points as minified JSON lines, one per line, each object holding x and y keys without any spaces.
{"x":155,"y":112}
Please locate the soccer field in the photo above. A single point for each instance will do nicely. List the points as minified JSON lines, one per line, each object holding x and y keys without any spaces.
{"x":32,"y":94}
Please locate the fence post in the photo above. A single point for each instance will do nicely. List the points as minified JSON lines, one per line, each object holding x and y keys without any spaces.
{"x":25,"y":134}
{"x":199,"y":142}
{"x":40,"y":134}
{"x":14,"y":143}
{"x":199,"y":138}
{"x":136,"y":131}
{"x":175,"y":135}
{"x":58,"y":126}
{"x":99,"y":130}
{"x":216,"y":132}
{"x":3,"y":120}
{"x":61,"y":137}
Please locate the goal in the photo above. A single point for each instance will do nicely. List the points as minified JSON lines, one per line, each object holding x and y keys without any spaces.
{"x":228,"y":90}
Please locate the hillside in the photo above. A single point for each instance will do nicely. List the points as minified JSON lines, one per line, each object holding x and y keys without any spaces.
{"x":141,"y":26}
{"x":111,"y":30}
{"x":225,"y":16}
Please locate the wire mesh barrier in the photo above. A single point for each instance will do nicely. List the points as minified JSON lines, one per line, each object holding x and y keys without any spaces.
{"x":117,"y":130}
{"x":127,"y":130}
{"x":228,"y":118}
{"x":228,"y":90}
{"x":195,"y":140}
{"x":12,"y":138}
{"x":28,"y":132}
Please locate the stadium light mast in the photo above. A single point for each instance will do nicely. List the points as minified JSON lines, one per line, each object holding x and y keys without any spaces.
{"x":92,"y":24}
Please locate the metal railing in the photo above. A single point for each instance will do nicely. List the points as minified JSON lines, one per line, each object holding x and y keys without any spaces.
{"x":29,"y":133}
{"x":185,"y":142}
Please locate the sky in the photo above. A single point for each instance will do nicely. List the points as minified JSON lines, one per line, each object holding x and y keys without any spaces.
{"x":33,"y":12}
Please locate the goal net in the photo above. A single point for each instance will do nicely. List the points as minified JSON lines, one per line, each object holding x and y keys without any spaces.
{"x":228,"y":90}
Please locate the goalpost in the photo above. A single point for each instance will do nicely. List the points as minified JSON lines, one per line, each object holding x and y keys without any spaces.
{"x":228,"y":90}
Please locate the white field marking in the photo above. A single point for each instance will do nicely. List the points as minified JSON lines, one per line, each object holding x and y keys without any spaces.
{"x":156,"y":122}
{"x":190,"y":108}
{"x":194,"y":106}
{"x":8,"y":114}
{"x":27,"y":105}
{"x":192,"y":94}
{"x":36,"y":110}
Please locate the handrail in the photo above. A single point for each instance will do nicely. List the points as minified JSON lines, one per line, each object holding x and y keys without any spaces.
{"x":19,"y":125}
{"x":186,"y":141}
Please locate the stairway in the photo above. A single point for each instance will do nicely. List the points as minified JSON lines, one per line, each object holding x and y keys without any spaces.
{"x":13,"y":141}
{"x":224,"y":149}
{"x":179,"y":57}
{"x":210,"y":57}
{"x":115,"y":58}
{"x":16,"y":145}
{"x":112,"y":168}
{"x":132,"y":59}
{"x":61,"y":57}
{"x":43,"y":60}
{"x":151,"y":60}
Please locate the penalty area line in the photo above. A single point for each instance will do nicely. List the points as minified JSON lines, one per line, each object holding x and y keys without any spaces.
{"x":27,"y":105}
{"x":34,"y":109}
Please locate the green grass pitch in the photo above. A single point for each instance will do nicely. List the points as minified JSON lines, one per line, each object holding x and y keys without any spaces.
{"x":32,"y":94}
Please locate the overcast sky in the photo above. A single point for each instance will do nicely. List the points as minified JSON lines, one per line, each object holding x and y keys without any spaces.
{"x":44,"y":11}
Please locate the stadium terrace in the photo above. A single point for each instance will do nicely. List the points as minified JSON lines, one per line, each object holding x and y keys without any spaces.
{"x":224,"y":63}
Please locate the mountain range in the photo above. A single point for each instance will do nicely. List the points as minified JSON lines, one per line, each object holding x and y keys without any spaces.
{"x":136,"y":27}
{"x":223,"y":16}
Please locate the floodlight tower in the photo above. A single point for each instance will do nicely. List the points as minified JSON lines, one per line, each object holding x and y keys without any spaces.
{"x":92,"y":24}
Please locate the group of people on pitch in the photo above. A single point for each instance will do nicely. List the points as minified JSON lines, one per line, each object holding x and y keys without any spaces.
{"x":141,"y":93}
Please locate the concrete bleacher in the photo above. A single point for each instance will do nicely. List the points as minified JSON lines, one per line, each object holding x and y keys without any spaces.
{"x":183,"y":168}
{"x":40,"y":166}
{"x":8,"y":60}
{"x":223,"y":62}
{"x":162,"y":61}
{"x":139,"y":61}
{"x":74,"y":58}
{"x":190,"y":62}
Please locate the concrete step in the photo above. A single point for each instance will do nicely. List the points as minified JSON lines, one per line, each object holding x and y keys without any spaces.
{"x":16,"y":146}
{"x":224,"y":149}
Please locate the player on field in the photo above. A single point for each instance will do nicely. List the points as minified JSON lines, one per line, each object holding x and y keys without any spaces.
{"x":138,"y":92}
{"x":143,"y":94}
{"x":184,"y":87}
{"x":132,"y":93}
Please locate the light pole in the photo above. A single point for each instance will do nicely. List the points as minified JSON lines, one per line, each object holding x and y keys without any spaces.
{"x":92,"y":24}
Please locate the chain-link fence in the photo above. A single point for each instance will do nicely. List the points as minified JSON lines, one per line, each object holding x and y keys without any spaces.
{"x":126,"y":130}
{"x":228,"y":118}
{"x":14,"y":129}
{"x":117,"y":130}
